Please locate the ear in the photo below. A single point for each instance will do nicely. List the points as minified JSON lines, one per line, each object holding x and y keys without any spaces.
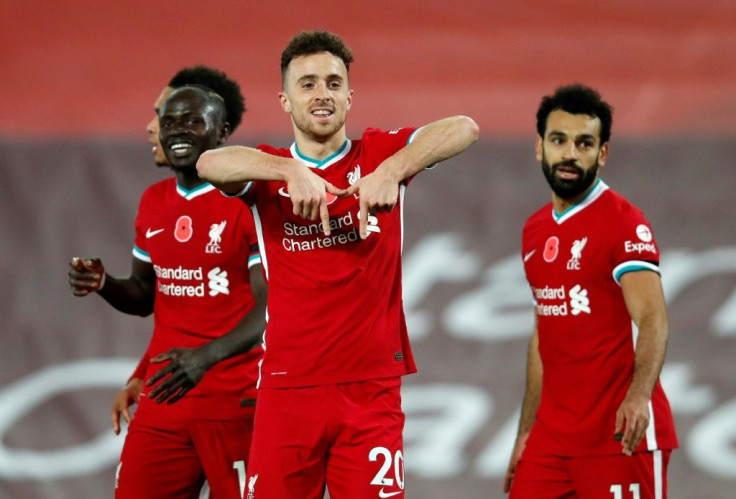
{"x":224,"y":134}
{"x":285,"y":104}
{"x":603,"y":154}
{"x":350,"y":98}
{"x":539,"y":148}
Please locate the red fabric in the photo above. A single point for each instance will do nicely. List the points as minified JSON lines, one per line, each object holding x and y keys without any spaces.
{"x":586,"y":336}
{"x":335,"y":304}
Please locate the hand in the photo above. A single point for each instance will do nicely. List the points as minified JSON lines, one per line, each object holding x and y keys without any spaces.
{"x":632,"y":420}
{"x":127,"y":397}
{"x":186,"y":368}
{"x":86,"y":275}
{"x":519,"y":446}
{"x":378,"y":193}
{"x":308,"y":193}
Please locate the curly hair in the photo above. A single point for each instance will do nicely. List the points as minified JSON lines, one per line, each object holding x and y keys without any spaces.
{"x":576,"y":99}
{"x":313,"y":42}
{"x":218,"y":82}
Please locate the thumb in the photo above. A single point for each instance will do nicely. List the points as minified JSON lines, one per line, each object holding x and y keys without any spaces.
{"x":352,"y":189}
{"x":94,"y":264}
{"x":334,"y":190}
{"x":77,"y":263}
{"x":162,"y":357}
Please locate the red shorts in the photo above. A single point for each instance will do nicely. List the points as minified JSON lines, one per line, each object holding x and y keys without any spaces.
{"x":347,"y":437}
{"x":641,"y":476}
{"x":172,"y":458}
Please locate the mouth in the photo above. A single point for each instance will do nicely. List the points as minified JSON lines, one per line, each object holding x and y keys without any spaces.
{"x":568,"y":172}
{"x":180,"y":149}
{"x":322,"y":113}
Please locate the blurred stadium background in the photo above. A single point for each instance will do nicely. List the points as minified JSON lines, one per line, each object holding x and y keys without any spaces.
{"x":78,"y":89}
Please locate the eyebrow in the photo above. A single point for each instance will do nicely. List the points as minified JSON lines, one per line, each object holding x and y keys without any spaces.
{"x":333,"y":76}
{"x":559,"y":133}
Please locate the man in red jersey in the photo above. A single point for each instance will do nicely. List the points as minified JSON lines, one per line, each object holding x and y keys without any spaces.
{"x":191,"y":265}
{"x":595,"y":422}
{"x":229,"y":90}
{"x":329,"y":216}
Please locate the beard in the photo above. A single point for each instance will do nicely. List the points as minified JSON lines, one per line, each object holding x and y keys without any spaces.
{"x":308,"y":128}
{"x":569,"y":189}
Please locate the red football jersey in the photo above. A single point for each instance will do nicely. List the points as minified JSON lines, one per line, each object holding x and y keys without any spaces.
{"x":573,"y":262}
{"x":201,"y":245}
{"x":335,"y":311}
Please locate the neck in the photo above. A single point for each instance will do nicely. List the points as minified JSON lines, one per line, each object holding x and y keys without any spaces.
{"x":188,"y":178}
{"x":560,"y":205}
{"x":319,"y":147}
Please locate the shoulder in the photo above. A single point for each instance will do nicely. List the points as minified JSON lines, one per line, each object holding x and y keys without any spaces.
{"x":540,"y":216}
{"x":397,"y":134}
{"x":159,"y":189}
{"x":620,"y":207}
{"x":276,"y":151}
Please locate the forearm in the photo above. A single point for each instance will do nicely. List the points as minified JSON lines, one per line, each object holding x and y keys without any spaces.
{"x":651,"y":347}
{"x":435,"y":142}
{"x":128,"y":295}
{"x":533,"y":391}
{"x":244,"y":337}
{"x":230,"y":168}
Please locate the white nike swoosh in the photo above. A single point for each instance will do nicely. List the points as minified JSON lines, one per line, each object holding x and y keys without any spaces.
{"x":150,"y":233}
{"x":529,"y":255}
{"x":381,"y":493}
{"x":283,"y":192}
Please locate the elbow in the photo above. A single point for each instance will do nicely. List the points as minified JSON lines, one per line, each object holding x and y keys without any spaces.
{"x":205,"y":166}
{"x":469,"y":127}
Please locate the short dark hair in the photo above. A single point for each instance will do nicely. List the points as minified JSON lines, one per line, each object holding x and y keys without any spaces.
{"x":576,"y":99}
{"x":314,"y":42}
{"x":218,"y":82}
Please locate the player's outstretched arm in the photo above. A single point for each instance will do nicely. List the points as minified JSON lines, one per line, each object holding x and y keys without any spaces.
{"x":532,"y":396}
{"x":645,"y":301}
{"x":187,"y":366}
{"x":231,"y":168}
{"x":438,"y":141}
{"x":133,"y":294}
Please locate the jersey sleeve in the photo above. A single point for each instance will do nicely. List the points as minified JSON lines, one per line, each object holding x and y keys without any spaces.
{"x":634,"y":247}
{"x":251,"y":238}
{"x":140,"y":248}
{"x":142,"y":367}
{"x":381,"y":145}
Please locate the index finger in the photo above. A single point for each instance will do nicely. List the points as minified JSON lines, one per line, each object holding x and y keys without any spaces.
{"x":363,"y":218}
{"x":324,"y":215}
{"x":115,"y":420}
{"x":159,"y":374}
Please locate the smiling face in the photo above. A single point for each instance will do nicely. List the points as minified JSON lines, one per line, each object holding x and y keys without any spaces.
{"x":317,"y":95}
{"x":191,"y":121}
{"x":571,"y":153}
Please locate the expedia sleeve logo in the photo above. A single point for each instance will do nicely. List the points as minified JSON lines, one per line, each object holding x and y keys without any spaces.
{"x":644,"y":244}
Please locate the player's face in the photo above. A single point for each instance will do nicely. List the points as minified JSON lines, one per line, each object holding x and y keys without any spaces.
{"x":152,"y":128}
{"x":317,"y":95}
{"x":189,"y":125}
{"x":571,"y":153}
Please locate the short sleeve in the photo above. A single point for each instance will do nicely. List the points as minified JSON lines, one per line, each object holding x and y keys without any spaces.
{"x":634,"y":246}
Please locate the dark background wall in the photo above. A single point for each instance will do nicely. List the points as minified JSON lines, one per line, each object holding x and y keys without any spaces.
{"x":77,"y":91}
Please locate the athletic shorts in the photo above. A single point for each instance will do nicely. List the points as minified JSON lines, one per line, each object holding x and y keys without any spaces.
{"x":172,"y":458}
{"x":641,"y":476}
{"x":346,"y":437}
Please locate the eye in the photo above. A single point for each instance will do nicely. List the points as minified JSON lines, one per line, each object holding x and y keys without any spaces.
{"x":335,"y":84}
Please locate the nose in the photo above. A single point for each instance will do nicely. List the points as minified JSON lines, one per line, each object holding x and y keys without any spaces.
{"x":323,"y":93}
{"x":570,"y":150}
{"x":152,"y":127}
